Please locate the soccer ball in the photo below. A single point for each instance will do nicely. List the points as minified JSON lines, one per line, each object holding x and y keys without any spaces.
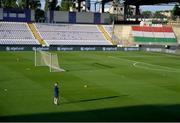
{"x":85,"y":86}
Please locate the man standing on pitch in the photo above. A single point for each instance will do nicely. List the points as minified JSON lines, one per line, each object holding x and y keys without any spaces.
{"x":56,"y":94}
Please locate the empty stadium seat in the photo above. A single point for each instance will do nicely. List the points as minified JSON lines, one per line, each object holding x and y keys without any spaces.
{"x":71,"y":34}
{"x":16,"y":33}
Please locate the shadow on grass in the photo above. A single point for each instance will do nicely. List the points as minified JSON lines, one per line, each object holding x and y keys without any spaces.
{"x":134,"y":113}
{"x":95,"y":99}
{"x":78,"y":69}
{"x":95,"y":66}
{"x":100,"y":65}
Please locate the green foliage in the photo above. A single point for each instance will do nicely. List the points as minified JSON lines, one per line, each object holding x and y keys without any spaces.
{"x":176,"y":10}
{"x":9,"y":4}
{"x":146,"y":14}
{"x":21,"y":4}
{"x":58,"y":8}
{"x":39,"y":15}
{"x":53,"y":4}
{"x":65,"y":5}
{"x":158,"y":14}
{"x":46,"y":6}
{"x":35,"y":4}
{"x":0,"y":3}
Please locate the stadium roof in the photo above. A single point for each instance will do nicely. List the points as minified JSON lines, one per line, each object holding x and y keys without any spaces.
{"x":145,"y":2}
{"x":149,"y":2}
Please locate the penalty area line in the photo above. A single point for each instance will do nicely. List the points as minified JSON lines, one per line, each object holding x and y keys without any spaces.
{"x":135,"y":64}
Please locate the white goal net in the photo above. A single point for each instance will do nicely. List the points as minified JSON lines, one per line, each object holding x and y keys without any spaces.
{"x":43,"y":58}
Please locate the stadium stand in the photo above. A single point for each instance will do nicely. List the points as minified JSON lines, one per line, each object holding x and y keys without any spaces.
{"x":109,"y":29}
{"x":106,"y":34}
{"x":176,"y":29}
{"x":123,"y":33}
{"x":71,"y":34}
{"x":16,"y":33}
{"x":36,"y":34}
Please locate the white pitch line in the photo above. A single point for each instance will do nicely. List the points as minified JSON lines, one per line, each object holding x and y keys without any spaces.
{"x":134,"y":64}
{"x":143,"y":56}
{"x":156,"y":69}
{"x":163,"y":68}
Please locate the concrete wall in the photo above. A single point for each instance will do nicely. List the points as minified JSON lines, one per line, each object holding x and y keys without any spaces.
{"x":123,"y":33}
{"x":1,"y":14}
{"x":32,"y":15}
{"x":61,"y":16}
{"x":78,"y":17}
{"x":55,"y":16}
{"x":47,"y":16}
{"x":176,"y":29}
{"x":105,"y":18}
{"x":21,"y":15}
{"x":12,"y":15}
{"x":16,"y":15}
{"x":84,"y":17}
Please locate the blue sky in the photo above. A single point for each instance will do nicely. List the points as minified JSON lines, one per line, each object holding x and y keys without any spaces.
{"x":143,"y":8}
{"x":157,"y":7}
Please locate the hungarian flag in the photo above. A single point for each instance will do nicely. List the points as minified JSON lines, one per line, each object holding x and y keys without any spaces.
{"x":145,"y":34}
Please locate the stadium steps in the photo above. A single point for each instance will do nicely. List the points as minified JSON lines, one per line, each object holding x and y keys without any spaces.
{"x":106,"y":35}
{"x":176,"y":29}
{"x":36,"y":34}
{"x":123,"y":33}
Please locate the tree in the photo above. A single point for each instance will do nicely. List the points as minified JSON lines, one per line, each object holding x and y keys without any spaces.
{"x":158,"y":14}
{"x":39,"y":15}
{"x":66,"y":4}
{"x":146,"y":14}
{"x":35,"y":4}
{"x":9,"y":4}
{"x":46,"y":5}
{"x":58,"y":8}
{"x":53,"y":4}
{"x":21,"y":4}
{"x":0,"y":3}
{"x":176,"y":10}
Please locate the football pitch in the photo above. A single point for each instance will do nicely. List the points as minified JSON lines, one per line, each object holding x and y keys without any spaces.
{"x":121,"y":86}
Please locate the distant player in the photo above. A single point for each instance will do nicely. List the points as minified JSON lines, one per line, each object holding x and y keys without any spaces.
{"x":56,"y":94}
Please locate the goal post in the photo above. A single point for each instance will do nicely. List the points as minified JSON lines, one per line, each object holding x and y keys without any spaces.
{"x":43,"y":58}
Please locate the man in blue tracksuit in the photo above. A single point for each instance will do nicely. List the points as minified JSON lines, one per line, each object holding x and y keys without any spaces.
{"x":56,"y":94}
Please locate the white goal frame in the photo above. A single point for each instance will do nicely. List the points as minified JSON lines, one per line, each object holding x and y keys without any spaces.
{"x":44,"y":58}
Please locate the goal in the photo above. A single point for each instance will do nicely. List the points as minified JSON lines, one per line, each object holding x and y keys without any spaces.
{"x":43,"y":58}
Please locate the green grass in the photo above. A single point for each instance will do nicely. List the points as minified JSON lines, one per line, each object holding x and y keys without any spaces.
{"x":122,"y":86}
